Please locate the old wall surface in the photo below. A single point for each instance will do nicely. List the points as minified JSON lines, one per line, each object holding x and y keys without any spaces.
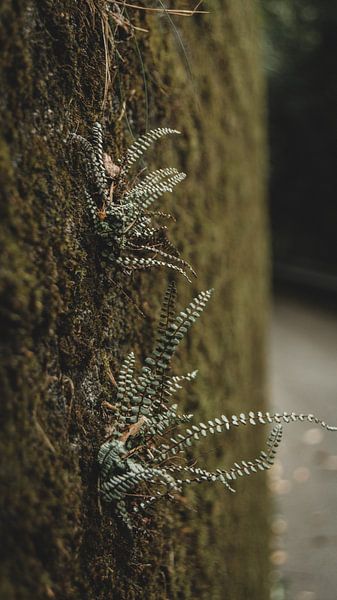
{"x":67,"y":320}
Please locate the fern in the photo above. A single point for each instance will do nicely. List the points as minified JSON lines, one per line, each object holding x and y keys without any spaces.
{"x":142,"y":448}
{"x":120,"y":208}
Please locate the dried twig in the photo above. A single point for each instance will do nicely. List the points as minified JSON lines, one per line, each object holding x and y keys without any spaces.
{"x":172,"y":11}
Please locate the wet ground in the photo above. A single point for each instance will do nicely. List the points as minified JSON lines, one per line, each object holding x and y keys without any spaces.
{"x":303,"y":378}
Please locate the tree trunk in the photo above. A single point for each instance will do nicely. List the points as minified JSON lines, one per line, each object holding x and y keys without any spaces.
{"x":68,"y":320}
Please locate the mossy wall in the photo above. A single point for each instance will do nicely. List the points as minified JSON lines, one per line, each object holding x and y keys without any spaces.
{"x":67,"y":320}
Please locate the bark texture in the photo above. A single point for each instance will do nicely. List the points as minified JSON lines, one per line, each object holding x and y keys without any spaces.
{"x":67,"y":320}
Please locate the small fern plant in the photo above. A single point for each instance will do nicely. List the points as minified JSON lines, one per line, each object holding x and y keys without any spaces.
{"x":120,"y":206}
{"x":151,"y":437}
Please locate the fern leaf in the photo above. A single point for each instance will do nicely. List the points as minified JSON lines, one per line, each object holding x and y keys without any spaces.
{"x":152,"y":191}
{"x":125,"y":388}
{"x":167,"y":309}
{"x":154,"y":177}
{"x":118,"y":207}
{"x":94,"y":171}
{"x":168,"y":342}
{"x":121,"y":485}
{"x":101,"y":177}
{"x":138,"y":148}
{"x":147,"y":441}
{"x":159,"y":252}
{"x":141,"y":264}
{"x":224,"y":424}
{"x":159,"y":424}
{"x":262,"y":463}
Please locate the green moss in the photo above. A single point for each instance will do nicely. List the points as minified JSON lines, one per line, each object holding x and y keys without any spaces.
{"x":67,"y":318}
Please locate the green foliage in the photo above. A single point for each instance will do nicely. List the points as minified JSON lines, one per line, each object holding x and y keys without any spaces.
{"x":120,"y":207}
{"x":145,"y":416}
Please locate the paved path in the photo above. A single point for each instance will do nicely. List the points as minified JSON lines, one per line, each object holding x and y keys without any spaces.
{"x":303,"y":378}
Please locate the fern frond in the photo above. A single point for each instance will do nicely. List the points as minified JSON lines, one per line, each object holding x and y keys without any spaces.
{"x":121,"y":485}
{"x":153,"y":372}
{"x":198,"y":475}
{"x":138,"y":148}
{"x":171,"y":338}
{"x":159,"y":424}
{"x":147,"y":440}
{"x":86,"y":148}
{"x":159,"y":252}
{"x":167,"y":387}
{"x":125,"y":376}
{"x":125,"y":388}
{"x":262,"y":463}
{"x":152,"y":178}
{"x":167,"y":309}
{"x":92,"y":209}
{"x":101,"y":177}
{"x":94,"y":170}
{"x":170,"y":386}
{"x":119,"y":208}
{"x":160,"y":214}
{"x":153,"y":190}
{"x":141,"y":264}
{"x":224,"y":424}
{"x":158,"y":495}
{"x":110,"y":458}
{"x":169,"y":248}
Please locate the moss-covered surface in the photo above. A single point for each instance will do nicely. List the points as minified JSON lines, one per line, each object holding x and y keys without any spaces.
{"x":66,"y":319}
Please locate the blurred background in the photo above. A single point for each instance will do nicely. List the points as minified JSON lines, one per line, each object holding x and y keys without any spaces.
{"x":301,"y":61}
{"x":300,"y":48}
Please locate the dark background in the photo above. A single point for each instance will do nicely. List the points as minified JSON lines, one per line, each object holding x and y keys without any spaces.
{"x":301,"y":64}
